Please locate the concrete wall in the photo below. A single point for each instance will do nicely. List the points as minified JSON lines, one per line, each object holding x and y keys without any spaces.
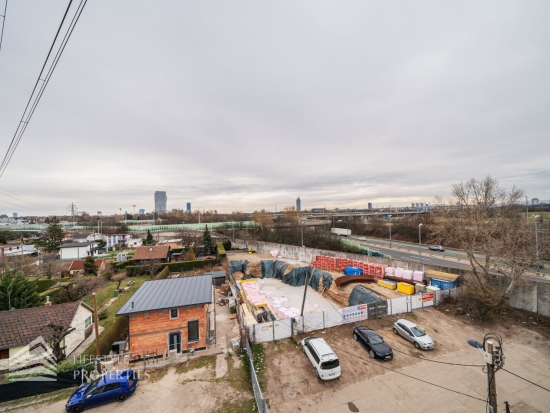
{"x":530,"y":295}
{"x":307,"y":255}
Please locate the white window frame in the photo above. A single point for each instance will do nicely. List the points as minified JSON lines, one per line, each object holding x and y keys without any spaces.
{"x":90,"y":318}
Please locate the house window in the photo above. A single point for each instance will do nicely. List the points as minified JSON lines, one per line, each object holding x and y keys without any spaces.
{"x":174,"y":313}
{"x":193,"y":330}
{"x":88,"y":322}
{"x":4,"y":353}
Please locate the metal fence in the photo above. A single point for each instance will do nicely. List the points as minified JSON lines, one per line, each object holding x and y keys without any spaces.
{"x":260,"y":401}
{"x":278,"y":329}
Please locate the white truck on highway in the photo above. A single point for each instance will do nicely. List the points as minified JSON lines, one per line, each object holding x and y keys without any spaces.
{"x":341,"y":231}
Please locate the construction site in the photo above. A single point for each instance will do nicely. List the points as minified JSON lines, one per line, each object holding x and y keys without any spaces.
{"x":272,"y":288}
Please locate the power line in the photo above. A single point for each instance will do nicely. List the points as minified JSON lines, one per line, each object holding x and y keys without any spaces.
{"x":440,"y":362}
{"x":21,"y":128}
{"x":22,"y":199}
{"x":528,"y":381}
{"x":406,"y":375}
{"x":3,"y":24}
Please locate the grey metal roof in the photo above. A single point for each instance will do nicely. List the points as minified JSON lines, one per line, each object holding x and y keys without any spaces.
{"x":169,"y":293}
{"x":216,"y":274}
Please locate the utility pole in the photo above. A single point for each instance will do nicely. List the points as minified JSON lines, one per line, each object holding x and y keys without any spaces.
{"x":491,"y":378}
{"x":96,"y":326}
{"x":308,"y":273}
{"x":526,"y":209}
{"x":390,"y":230}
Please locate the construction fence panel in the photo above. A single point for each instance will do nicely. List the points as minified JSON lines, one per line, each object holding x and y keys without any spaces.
{"x":333,"y":318}
{"x":398,"y":305}
{"x":354,"y":313}
{"x":416,"y":301}
{"x":311,"y":322}
{"x":282,"y":329}
{"x":260,"y":401}
{"x":270,"y":331}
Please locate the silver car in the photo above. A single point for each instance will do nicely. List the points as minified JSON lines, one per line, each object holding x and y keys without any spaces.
{"x":414,"y":334}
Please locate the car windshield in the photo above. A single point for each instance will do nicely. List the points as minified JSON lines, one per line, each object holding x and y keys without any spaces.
{"x":93,"y":385}
{"x":417,"y":331}
{"x":375,"y":340}
{"x":330,"y":364}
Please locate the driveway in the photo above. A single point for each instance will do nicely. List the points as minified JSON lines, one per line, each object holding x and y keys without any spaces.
{"x":372,"y":386}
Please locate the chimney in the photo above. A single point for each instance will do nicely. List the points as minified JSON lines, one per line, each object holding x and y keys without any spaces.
{"x":48,"y":302}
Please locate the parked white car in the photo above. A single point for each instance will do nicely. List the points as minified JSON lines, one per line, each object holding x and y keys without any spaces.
{"x":414,"y":334}
{"x":321,"y":356}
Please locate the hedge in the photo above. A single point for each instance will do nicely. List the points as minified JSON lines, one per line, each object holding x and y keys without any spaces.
{"x":44,"y":284}
{"x":118,"y":266}
{"x":135,"y":270}
{"x":118,"y":331}
{"x":220,"y":250}
{"x":163,"y":274}
{"x":188,"y":265}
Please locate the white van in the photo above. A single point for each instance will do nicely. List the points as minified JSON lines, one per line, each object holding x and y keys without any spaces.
{"x":325,"y":362}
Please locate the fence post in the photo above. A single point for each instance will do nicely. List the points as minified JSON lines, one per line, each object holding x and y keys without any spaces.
{"x":391,"y":308}
{"x":291,"y":327}
{"x":273,"y":322}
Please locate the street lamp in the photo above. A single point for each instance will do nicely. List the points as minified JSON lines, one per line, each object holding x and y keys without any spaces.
{"x":302,"y":231}
{"x":390,"y":229}
{"x":537,"y":241}
{"x":420,"y":243}
{"x":526,"y":209}
{"x":488,"y":357}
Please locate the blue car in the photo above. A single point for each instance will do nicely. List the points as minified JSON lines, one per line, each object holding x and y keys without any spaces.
{"x":114,"y":386}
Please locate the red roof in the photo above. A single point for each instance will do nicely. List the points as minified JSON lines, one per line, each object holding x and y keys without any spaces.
{"x":79,"y":265}
{"x":151,"y":253}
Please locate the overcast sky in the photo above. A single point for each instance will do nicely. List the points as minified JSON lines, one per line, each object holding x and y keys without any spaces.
{"x":241,"y":105}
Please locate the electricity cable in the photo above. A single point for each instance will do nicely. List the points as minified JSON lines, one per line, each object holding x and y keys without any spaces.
{"x":21,"y":128}
{"x":3,"y":24}
{"x":528,"y":381}
{"x":440,"y":362}
{"x":406,"y":375}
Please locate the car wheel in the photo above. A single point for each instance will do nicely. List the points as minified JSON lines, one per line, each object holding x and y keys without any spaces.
{"x":317,"y":374}
{"x":121,"y":397}
{"x":395,"y":330}
{"x":417,"y":345}
{"x":77,"y":409}
{"x":371,"y":353}
{"x":355,"y":336}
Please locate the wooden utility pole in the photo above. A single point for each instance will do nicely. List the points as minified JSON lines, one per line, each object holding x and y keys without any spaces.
{"x":492,"y":378}
{"x":305,"y":291}
{"x":96,"y":325}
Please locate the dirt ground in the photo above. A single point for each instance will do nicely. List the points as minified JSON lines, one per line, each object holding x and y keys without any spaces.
{"x":291,"y":384}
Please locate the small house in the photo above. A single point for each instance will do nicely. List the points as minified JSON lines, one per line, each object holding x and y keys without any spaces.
{"x":77,"y":267}
{"x":169,"y":314}
{"x":78,"y":250}
{"x":22,"y":327}
{"x":160,"y":253}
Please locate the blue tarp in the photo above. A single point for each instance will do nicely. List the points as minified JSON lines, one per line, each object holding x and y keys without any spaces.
{"x":353,"y":271}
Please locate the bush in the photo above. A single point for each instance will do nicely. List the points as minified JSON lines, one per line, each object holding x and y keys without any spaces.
{"x":227,"y":244}
{"x":44,"y":284}
{"x":220,"y":250}
{"x":103,"y":315}
{"x":136,"y":270}
{"x":107,"y":276}
{"x":119,"y":266}
{"x":163,"y":274}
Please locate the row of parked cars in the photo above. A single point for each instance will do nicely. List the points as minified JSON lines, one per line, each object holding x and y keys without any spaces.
{"x":327,"y":365}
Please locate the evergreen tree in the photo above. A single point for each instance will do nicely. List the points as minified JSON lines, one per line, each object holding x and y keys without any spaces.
{"x":90,"y":268}
{"x":54,"y":235}
{"x":18,"y":292}
{"x":208,"y":246}
{"x":149,"y":239}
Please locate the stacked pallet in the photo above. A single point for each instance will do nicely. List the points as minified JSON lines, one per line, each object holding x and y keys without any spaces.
{"x":371,"y":269}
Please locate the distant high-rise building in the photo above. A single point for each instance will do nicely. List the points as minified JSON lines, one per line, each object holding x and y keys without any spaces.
{"x":160,"y":202}
{"x":534,"y":201}
{"x":15,"y":213}
{"x":298,"y":205}
{"x":370,"y":205}
{"x":141,"y":212}
{"x":188,"y":208}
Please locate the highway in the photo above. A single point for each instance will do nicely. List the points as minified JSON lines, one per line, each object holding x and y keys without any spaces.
{"x":410,"y":252}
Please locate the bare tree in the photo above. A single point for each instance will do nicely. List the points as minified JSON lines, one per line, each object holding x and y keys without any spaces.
{"x":486,"y":222}
{"x":119,"y":278}
{"x":264,"y":218}
{"x":53,"y":335}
